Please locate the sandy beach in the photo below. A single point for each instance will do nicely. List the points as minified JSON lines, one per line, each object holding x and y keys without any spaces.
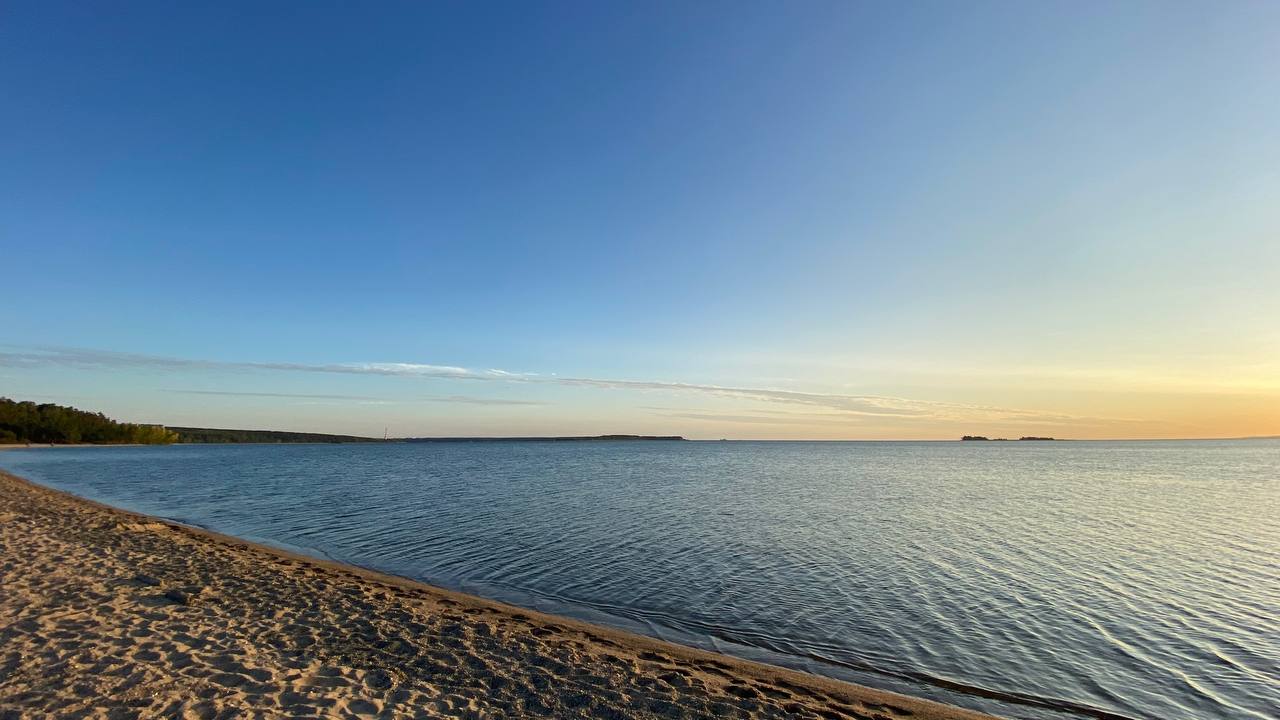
{"x":106,"y":613}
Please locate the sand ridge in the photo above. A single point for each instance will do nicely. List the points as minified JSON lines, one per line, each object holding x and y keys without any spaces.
{"x":110,"y":614}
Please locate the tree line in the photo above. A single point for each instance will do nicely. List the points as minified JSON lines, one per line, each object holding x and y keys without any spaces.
{"x":49,"y":423}
{"x":220,"y":435}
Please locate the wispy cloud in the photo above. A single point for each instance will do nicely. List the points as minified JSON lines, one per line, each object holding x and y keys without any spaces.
{"x":866,"y":405}
{"x":462,"y":399}
{"x":467,"y":400}
{"x":854,"y":404}
{"x":407,"y":370}
{"x":772,"y":419}
{"x":870,"y":406}
{"x":307,"y":396}
{"x":108,"y":359}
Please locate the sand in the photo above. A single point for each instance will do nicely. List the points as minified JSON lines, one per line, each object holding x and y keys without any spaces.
{"x":110,"y":614}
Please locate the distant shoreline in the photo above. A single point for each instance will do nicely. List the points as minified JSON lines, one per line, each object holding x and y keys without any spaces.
{"x":605,"y":438}
{"x":1024,"y":438}
{"x":206,"y":436}
{"x":566,"y":438}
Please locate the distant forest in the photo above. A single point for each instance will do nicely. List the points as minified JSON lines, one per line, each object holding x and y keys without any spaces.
{"x":217,"y":435}
{"x":214,"y":435}
{"x":49,"y":423}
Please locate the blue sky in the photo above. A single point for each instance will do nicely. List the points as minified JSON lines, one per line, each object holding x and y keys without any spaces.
{"x":827,"y":220}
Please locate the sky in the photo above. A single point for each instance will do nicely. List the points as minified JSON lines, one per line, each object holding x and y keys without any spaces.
{"x":818,"y":220}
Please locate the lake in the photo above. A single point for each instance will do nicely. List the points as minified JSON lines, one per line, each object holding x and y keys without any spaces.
{"x":1027,"y":579}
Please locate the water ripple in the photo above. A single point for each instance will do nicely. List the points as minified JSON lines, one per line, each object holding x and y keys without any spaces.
{"x":1104,"y":580}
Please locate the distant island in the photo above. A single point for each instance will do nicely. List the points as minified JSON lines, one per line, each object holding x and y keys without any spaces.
{"x":982,"y":438}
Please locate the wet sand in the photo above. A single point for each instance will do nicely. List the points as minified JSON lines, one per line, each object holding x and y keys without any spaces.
{"x":111,"y":614}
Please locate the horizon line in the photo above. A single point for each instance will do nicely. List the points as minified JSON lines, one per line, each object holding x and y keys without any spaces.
{"x":404,"y":438}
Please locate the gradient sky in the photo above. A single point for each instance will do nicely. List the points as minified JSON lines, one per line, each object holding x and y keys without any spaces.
{"x":745,"y":220}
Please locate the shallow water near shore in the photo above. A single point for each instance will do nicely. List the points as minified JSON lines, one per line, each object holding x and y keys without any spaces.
{"x":1036,"y":580}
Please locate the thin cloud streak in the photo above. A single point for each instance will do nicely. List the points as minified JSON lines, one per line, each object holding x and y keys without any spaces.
{"x":867,"y":405}
{"x":755,"y":419}
{"x":467,"y":400}
{"x":874,"y":406}
{"x":307,"y":396}
{"x":462,"y":399}
{"x":108,"y":359}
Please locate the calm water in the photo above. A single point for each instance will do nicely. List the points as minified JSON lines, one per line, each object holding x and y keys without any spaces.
{"x":1033,"y":580}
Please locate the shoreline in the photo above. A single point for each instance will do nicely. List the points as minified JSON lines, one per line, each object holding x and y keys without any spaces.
{"x":93,"y":582}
